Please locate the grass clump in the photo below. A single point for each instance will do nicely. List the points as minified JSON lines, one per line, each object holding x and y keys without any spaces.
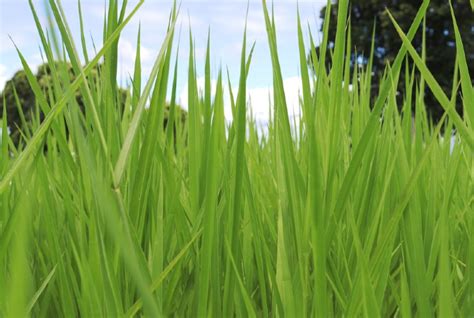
{"x":357,"y":210}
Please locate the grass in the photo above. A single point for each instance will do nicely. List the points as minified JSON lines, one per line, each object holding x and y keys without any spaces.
{"x":357,"y":208}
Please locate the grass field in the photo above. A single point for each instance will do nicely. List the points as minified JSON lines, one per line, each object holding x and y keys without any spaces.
{"x":357,"y":208}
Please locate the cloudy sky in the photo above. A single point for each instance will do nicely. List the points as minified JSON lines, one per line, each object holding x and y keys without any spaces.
{"x":225,"y":18}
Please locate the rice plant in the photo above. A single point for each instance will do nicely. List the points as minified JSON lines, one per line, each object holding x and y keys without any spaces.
{"x":360,"y":207}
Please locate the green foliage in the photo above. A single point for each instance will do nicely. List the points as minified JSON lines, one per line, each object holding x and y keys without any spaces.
{"x":20,"y":100}
{"x":352,"y":210}
{"x":436,"y":42}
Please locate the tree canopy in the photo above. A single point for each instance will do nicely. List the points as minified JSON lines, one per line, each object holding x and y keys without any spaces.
{"x":439,"y":37}
{"x":20,"y":100}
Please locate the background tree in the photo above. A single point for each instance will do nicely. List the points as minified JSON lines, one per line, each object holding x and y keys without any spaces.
{"x":18,"y":94}
{"x":440,"y":40}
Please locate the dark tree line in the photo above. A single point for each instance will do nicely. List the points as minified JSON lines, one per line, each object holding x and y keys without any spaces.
{"x":440,"y":39}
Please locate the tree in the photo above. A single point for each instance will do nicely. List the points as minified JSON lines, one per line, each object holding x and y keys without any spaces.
{"x":440,"y":39}
{"x":18,"y":92}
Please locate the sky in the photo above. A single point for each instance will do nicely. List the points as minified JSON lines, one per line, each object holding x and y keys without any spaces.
{"x":225,"y":19}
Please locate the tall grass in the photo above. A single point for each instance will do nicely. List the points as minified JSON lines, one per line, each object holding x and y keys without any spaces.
{"x":358,"y":209}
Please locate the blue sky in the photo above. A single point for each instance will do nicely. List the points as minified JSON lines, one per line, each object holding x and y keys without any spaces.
{"x":225,"y":19}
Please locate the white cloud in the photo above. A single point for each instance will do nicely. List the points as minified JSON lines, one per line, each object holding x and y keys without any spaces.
{"x":259,"y":99}
{"x":183,"y":96}
{"x":127,"y":56}
{"x":127,"y":51}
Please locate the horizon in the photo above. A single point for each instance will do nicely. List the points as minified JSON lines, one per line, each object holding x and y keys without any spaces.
{"x":224,"y":21}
